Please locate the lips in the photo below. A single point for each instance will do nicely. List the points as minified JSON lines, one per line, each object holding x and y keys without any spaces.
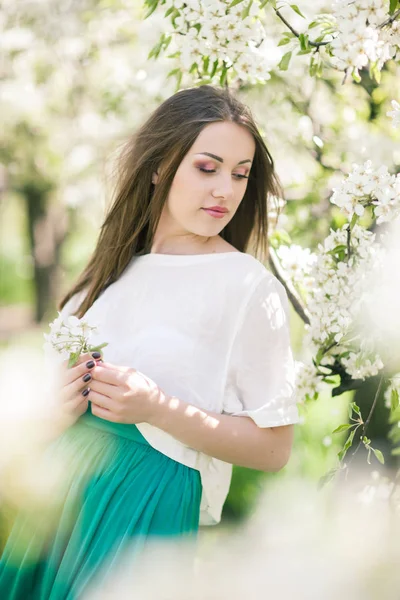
{"x":217,"y":209}
{"x":218,"y":214}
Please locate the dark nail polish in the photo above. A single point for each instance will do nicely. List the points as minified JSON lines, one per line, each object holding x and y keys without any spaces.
{"x":87,"y":377}
{"x":85,"y":392}
{"x":96,"y":354}
{"x":90,"y":364}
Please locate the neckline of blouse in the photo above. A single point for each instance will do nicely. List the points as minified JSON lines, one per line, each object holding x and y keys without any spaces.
{"x":158,"y":258}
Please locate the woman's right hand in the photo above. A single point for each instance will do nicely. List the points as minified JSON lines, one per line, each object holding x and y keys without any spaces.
{"x":74,"y":387}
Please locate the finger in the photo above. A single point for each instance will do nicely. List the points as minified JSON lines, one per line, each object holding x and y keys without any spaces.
{"x":115,"y":368}
{"x":78,"y":371}
{"x":106,"y":375}
{"x":103,"y":413}
{"x":79,"y":402}
{"x":102,"y":401}
{"x":112,"y":392}
{"x":73,"y":388}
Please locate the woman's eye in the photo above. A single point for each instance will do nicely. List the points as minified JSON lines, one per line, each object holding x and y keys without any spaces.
{"x":207,"y":170}
{"x":213,"y":171}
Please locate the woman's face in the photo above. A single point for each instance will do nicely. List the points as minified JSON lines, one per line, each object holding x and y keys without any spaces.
{"x":202,"y":181}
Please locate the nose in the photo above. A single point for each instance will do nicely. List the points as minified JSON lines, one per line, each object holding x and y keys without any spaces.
{"x":223,"y":187}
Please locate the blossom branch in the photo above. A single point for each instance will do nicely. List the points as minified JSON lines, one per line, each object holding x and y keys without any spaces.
{"x":366,"y":423}
{"x":296,"y":33}
{"x":291,"y":292}
{"x":391,"y":19}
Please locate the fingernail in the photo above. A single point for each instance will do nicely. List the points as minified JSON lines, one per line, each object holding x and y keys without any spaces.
{"x":87,"y":377}
{"x":90,"y":364}
{"x":85,"y":392}
{"x":96,"y":354}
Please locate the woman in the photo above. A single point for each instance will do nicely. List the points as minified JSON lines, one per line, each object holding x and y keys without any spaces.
{"x":198,"y":372}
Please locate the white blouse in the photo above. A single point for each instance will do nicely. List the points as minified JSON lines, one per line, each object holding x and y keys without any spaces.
{"x":210,"y":329}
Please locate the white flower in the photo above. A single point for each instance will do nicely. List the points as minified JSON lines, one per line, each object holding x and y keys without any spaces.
{"x":359,"y":38}
{"x":394,"y":114}
{"x":69,"y":336}
{"x":223,"y":35}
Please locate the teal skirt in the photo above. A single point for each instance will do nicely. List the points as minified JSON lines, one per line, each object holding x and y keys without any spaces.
{"x":115,"y":495}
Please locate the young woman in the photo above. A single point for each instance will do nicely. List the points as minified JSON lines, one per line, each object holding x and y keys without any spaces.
{"x":198,"y":372}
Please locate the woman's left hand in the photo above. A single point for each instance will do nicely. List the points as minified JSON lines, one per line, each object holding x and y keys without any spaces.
{"x":122,"y":394}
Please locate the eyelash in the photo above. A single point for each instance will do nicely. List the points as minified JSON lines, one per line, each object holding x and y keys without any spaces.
{"x":213,"y":171}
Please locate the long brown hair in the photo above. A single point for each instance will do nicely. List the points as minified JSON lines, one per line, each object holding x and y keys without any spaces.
{"x":161,"y":143}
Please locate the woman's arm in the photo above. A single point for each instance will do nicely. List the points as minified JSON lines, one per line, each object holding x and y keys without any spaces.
{"x":236,"y":440}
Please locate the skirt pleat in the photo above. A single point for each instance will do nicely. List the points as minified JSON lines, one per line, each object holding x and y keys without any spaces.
{"x":116,"y":493}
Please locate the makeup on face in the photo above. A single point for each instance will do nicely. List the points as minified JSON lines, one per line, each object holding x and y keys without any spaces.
{"x":207,"y":166}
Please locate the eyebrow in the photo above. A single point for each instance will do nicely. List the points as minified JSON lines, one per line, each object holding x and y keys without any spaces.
{"x":221,"y":159}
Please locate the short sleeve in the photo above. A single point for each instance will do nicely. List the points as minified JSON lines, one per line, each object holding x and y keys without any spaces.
{"x":261,"y":371}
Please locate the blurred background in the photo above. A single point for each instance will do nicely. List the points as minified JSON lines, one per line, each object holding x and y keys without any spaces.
{"x":76,"y":82}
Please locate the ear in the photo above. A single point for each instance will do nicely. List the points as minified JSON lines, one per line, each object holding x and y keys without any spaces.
{"x":154,"y":177}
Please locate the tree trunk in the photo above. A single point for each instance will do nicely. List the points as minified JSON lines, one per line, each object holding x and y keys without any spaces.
{"x":47,"y":231}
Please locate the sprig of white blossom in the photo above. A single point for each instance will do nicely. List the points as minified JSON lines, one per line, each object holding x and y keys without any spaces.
{"x":70,"y":337}
{"x":335,"y":297}
{"x":213,"y":37}
{"x":367,"y":186}
{"x":361,"y":41}
{"x":296,"y":261}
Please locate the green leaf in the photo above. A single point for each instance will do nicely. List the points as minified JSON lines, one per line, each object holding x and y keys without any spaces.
{"x":284,"y":62}
{"x":223,"y":77}
{"x":246,"y":10}
{"x":379,"y":455}
{"x":173,"y":72}
{"x":169,"y":12}
{"x":354,"y":218}
{"x":337,"y":249}
{"x":394,"y":416}
{"x":214,"y":69}
{"x":313,"y":67}
{"x":284,"y":41}
{"x":303,"y":39}
{"x":353,"y":406}
{"x":264,"y":3}
{"x":73,"y":359}
{"x":394,"y":400}
{"x":343,"y":427}
{"x":356,"y":77}
{"x":297,"y":10}
{"x":153,"y":5}
{"x":97,"y":348}
{"x":347,"y":445}
{"x":392,"y":6}
{"x":320,"y":355}
{"x":326,"y":478}
{"x":395,"y":451}
{"x":234,"y":3}
{"x":374,"y":72}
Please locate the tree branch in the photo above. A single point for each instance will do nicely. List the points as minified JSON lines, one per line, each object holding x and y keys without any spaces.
{"x":296,"y":33}
{"x":390,"y":20}
{"x":366,"y":423}
{"x":291,"y":292}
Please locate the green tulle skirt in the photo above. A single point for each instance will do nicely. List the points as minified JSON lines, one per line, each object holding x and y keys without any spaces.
{"x":116,"y":493}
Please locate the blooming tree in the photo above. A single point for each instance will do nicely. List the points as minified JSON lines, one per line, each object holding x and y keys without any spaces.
{"x":76,"y":98}
{"x":239,"y":43}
